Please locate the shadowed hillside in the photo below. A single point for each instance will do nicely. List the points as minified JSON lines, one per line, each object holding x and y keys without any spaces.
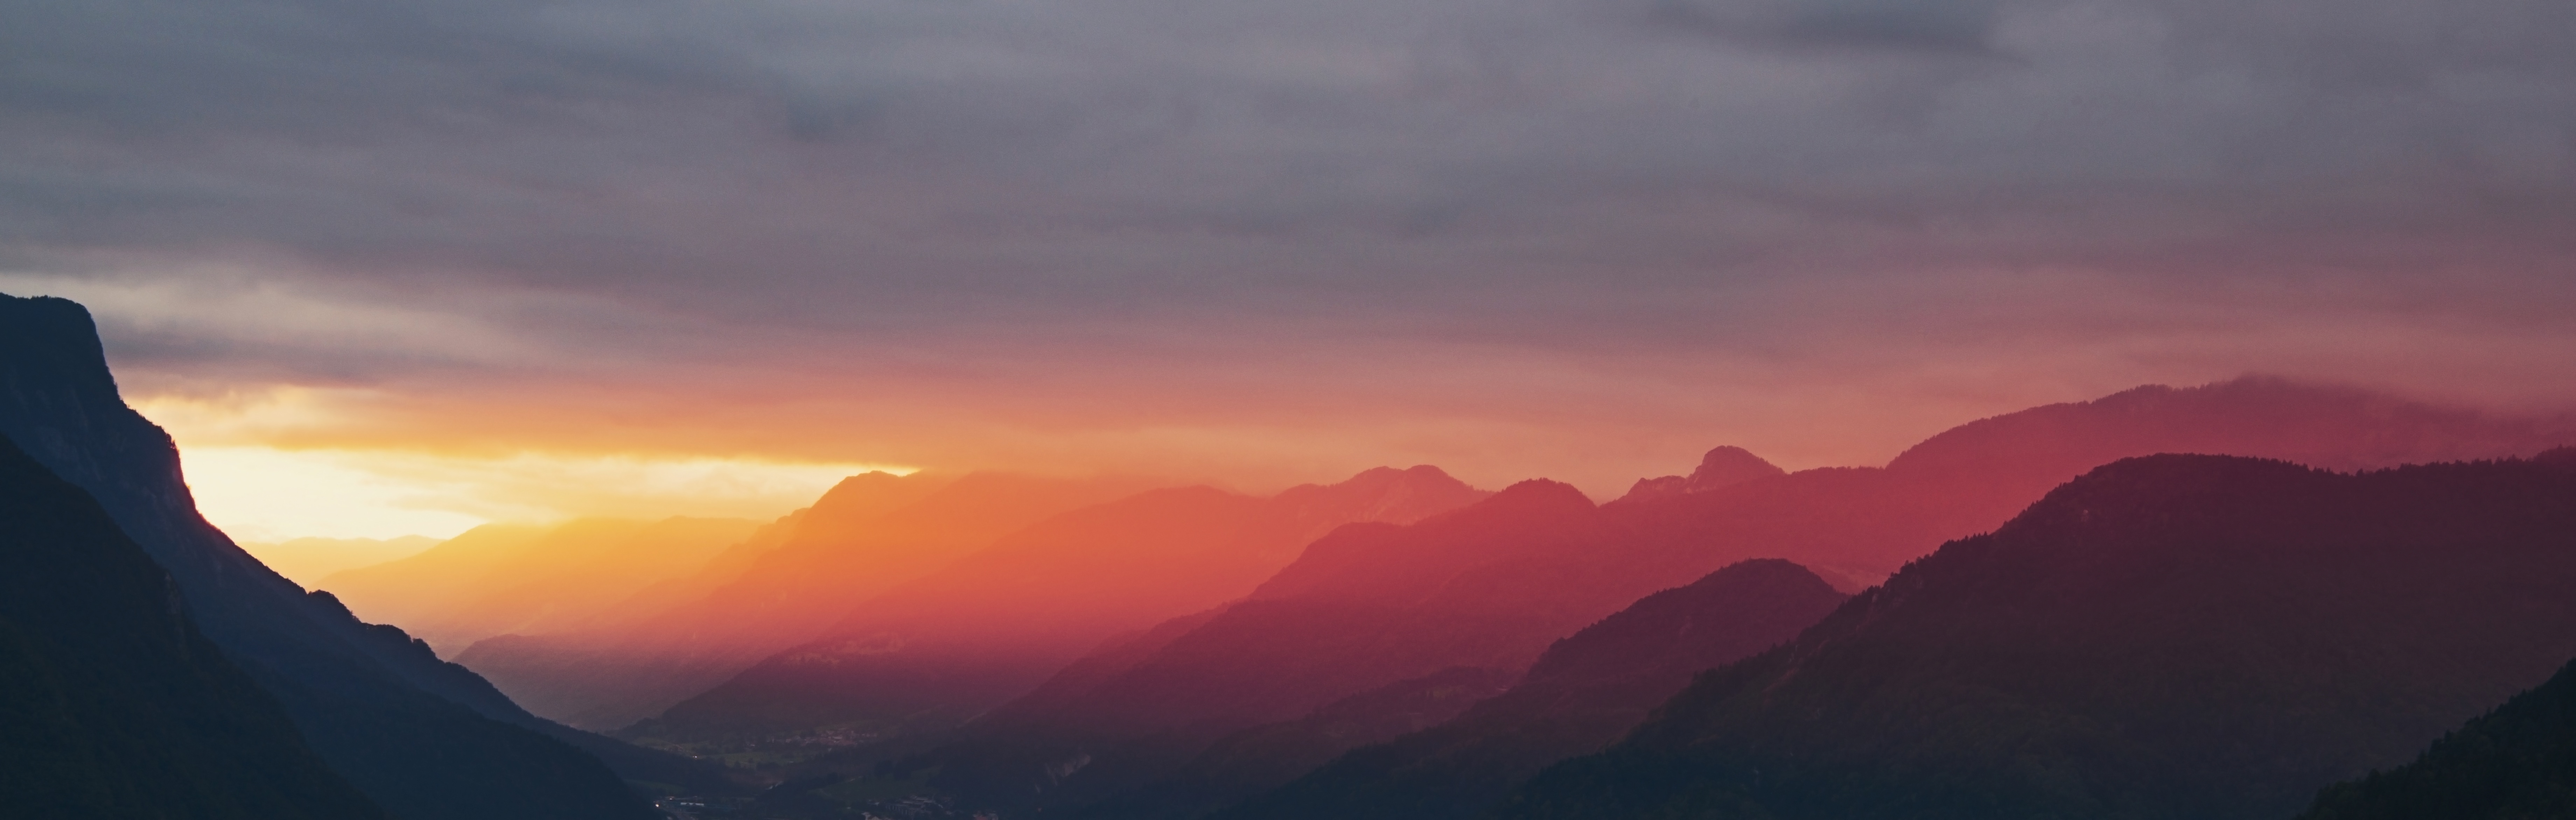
{"x":2167,"y":637}
{"x":2515,"y":763}
{"x":111,"y":703}
{"x":425,"y":740}
{"x":1587,"y":691}
{"x":1320,"y":629}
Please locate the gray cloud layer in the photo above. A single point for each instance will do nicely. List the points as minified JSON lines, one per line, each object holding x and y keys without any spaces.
{"x":2167,"y":186}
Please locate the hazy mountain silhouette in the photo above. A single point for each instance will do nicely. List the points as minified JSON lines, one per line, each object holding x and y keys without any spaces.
{"x":111,"y":703}
{"x":995,"y":624}
{"x":502,"y":578}
{"x":2167,"y":637}
{"x":1484,"y":587}
{"x":2515,"y":763}
{"x":1861,"y":523}
{"x":863,"y":537}
{"x":307,"y":561}
{"x":1368,"y":606}
{"x":1584,"y":693}
{"x":423,"y":739}
{"x":1722,"y":468}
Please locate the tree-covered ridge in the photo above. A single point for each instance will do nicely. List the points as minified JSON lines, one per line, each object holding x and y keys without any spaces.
{"x":2515,"y":763}
{"x":111,"y":703}
{"x":2166,"y":637}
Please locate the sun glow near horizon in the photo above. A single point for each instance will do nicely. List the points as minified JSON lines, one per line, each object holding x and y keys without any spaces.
{"x":260,"y":491}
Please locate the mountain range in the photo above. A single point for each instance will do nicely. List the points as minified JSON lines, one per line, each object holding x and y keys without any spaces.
{"x":2166,"y":637}
{"x":995,"y":624}
{"x":1491,"y":585}
{"x":785,"y":585}
{"x":503,"y":578}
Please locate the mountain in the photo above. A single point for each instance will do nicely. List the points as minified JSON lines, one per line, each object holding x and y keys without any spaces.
{"x":307,"y":561}
{"x":1583,"y":693}
{"x":112,"y":704}
{"x":865,"y":536}
{"x":2515,"y":763}
{"x":934,"y":651}
{"x":1485,"y":587}
{"x":423,"y":739}
{"x":1321,"y":629}
{"x":2166,"y":637}
{"x":501,"y":578}
{"x":1721,"y":468}
{"x":1862,"y":523}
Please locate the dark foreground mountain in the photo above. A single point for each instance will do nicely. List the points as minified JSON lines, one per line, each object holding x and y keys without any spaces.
{"x":2515,"y":763}
{"x":425,"y":740}
{"x":1584,"y":693}
{"x":2166,"y":637}
{"x":932,"y":652}
{"x":111,"y":703}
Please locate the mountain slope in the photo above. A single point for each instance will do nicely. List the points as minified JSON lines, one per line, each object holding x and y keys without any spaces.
{"x":111,"y":703}
{"x":307,"y":561}
{"x":2167,"y":637}
{"x":1584,"y":693}
{"x":1484,"y":587}
{"x":424,"y":739}
{"x":2515,"y":763}
{"x":992,"y":626}
{"x":1275,"y":659}
{"x":501,"y":578}
{"x":869,"y":534}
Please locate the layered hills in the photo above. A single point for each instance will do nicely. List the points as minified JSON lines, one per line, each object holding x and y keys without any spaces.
{"x":1583,"y":693}
{"x":2167,"y":637}
{"x":422,"y":739}
{"x":504,"y":578}
{"x":934,"y":651}
{"x":784,"y":586}
{"x":1489,"y":586}
{"x":112,"y":704}
{"x":307,"y":561}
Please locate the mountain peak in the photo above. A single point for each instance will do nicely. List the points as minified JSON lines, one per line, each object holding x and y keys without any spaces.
{"x":1722,"y":467}
{"x":1385,"y":494}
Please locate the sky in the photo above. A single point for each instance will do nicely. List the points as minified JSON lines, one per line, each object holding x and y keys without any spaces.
{"x":462,"y":260}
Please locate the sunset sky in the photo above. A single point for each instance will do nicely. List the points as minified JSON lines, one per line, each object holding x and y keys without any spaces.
{"x":401,"y":268}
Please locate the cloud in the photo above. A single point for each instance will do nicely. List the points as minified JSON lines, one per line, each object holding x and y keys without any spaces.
{"x":1221,"y":238}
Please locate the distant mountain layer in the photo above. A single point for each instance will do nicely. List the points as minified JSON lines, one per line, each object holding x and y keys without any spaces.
{"x":2167,"y":637}
{"x":2515,"y":763}
{"x":992,"y":626}
{"x":111,"y":703}
{"x":307,"y":561}
{"x":782,"y":587}
{"x":1584,"y":693}
{"x":502,"y":578}
{"x":425,"y":740}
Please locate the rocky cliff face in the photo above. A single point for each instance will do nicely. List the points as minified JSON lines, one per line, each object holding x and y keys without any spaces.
{"x":112,"y":704}
{"x":408,"y":729}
